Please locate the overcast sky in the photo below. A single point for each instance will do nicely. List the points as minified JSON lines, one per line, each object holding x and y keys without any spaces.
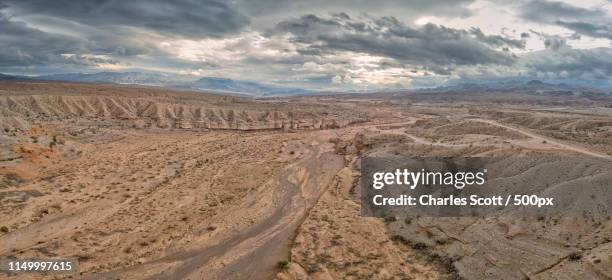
{"x":317,"y":44}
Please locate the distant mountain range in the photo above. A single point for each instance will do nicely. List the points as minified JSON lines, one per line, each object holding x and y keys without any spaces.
{"x":152,"y":79}
{"x":170,"y":81}
{"x":509,"y":85}
{"x":251,"y":88}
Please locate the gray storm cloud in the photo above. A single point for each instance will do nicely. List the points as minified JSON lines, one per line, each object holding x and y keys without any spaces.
{"x":570,"y":63}
{"x":310,"y":43}
{"x":107,"y":28}
{"x":21,"y":45}
{"x":594,"y":22}
{"x":188,"y":18}
{"x":431,"y":46}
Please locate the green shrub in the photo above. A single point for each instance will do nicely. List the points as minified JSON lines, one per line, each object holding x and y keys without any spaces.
{"x":282,"y":265}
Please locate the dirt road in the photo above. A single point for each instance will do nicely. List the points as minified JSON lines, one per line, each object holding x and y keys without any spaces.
{"x":548,"y":140}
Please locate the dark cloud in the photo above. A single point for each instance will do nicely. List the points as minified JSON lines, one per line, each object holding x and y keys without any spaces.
{"x":496,"y":40}
{"x":21,"y":45}
{"x":582,"y":65}
{"x":190,"y":18}
{"x":554,"y":42}
{"x":594,"y":22}
{"x":551,"y":11}
{"x":587,"y":67}
{"x":77,"y":35}
{"x":590,"y":29}
{"x":103,"y":31}
{"x":276,"y":10}
{"x":435,"y":47}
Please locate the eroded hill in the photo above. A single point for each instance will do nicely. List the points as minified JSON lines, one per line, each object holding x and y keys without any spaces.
{"x":22,"y":104}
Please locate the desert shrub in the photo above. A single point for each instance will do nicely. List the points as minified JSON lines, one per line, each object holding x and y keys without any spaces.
{"x":55,"y":141}
{"x":390,"y":219}
{"x":575,"y":256}
{"x":418,"y":246}
{"x":282,"y":265}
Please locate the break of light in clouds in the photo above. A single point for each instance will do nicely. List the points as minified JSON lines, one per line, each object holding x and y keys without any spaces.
{"x":317,"y":44}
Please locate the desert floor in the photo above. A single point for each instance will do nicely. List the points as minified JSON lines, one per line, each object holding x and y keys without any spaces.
{"x":146,"y":183}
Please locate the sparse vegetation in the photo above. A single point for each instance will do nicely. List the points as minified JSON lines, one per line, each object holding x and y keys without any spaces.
{"x":390,"y":219}
{"x":55,"y":141}
{"x":282,"y":265}
{"x":575,"y":256}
